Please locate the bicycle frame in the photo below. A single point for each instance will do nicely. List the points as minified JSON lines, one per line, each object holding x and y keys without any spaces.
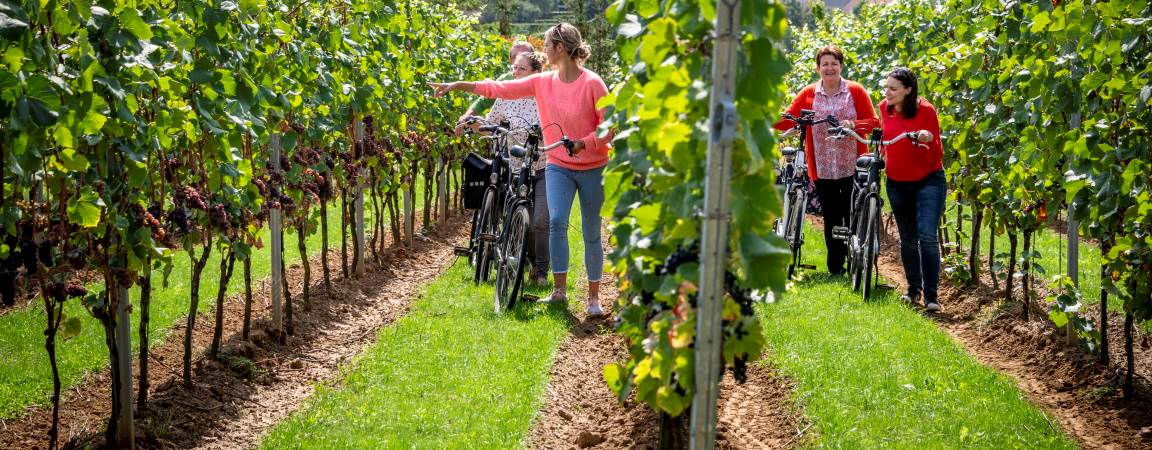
{"x":511,"y":247}
{"x":863,"y":231}
{"x":795,"y":175}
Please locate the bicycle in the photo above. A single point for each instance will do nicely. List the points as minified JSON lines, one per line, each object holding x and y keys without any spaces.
{"x":863,"y":231}
{"x":486,"y":221}
{"x":511,"y":251}
{"x":795,"y":176}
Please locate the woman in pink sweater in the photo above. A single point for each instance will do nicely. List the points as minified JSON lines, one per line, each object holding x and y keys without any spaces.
{"x":566,"y":98}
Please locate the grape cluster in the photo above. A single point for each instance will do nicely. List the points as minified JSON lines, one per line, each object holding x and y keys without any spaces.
{"x":60,"y":291}
{"x":179,"y":221}
{"x":220,"y":218}
{"x":307,"y":156}
{"x":261,"y":185}
{"x":170,"y":169}
{"x":190,"y":197}
{"x":324,"y":190}
{"x":691,"y":254}
{"x":287,"y":204}
{"x":148,"y":218}
{"x":682,"y":255}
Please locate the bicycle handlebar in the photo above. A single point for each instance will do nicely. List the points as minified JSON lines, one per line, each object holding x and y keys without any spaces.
{"x":841,"y":132}
{"x":568,"y":143}
{"x":499,"y":131}
{"x":808,"y":118}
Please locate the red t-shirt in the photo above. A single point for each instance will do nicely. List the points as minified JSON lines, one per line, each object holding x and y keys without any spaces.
{"x":906,"y":161}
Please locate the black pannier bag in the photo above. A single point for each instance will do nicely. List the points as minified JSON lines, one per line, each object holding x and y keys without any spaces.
{"x":477,"y":176}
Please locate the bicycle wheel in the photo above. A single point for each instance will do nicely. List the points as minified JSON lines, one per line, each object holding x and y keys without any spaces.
{"x":780,"y":226}
{"x":796,"y":228}
{"x":510,"y":269}
{"x":870,"y":248}
{"x":473,"y":242}
{"x":796,"y":234}
{"x":487,"y":227}
{"x":855,"y":243}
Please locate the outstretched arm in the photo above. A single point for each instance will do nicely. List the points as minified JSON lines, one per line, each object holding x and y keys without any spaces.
{"x":444,"y":88}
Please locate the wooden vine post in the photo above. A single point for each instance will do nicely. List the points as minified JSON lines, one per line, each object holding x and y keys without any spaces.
{"x":120,"y":343}
{"x":277,"y":245}
{"x":358,"y":202}
{"x":410,"y":212}
{"x":714,"y":233}
{"x":446,"y":165}
{"x":125,"y":427}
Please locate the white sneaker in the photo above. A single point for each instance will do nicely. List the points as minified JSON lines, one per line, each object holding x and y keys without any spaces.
{"x":555,"y":297}
{"x":594,"y":307}
{"x":932,"y":306}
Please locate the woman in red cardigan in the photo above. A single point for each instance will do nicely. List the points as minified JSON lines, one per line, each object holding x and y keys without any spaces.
{"x":831,"y":163}
{"x":916,"y":187}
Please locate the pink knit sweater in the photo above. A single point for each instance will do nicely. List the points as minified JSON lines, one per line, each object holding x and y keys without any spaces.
{"x":570,"y":106}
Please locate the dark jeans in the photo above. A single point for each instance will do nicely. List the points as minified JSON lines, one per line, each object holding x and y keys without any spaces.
{"x":835,"y":198}
{"x":538,"y":236}
{"x":918,"y":206}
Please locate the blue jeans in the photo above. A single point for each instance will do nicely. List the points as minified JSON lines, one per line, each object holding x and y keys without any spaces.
{"x":563,"y":185}
{"x":918,"y":206}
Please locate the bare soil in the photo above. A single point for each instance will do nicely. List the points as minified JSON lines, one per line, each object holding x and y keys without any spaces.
{"x":257,"y":383}
{"x":581,"y":412}
{"x":1068,"y":382}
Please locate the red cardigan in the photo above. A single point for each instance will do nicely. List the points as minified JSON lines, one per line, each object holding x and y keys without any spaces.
{"x":906,"y":161}
{"x":865,"y":117}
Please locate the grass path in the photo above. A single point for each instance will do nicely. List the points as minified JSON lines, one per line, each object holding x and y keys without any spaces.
{"x":25,"y":374}
{"x":880,"y":375}
{"x":449,"y":374}
{"x":1053,"y":259}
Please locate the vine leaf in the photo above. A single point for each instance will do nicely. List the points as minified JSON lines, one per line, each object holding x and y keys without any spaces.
{"x":13,"y":20}
{"x":70,"y":328}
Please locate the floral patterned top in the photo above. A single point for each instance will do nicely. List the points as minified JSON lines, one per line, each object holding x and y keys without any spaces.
{"x":519,"y":114}
{"x":834,"y":158}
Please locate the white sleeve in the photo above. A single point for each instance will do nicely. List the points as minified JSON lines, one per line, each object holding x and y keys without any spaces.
{"x":499,"y":112}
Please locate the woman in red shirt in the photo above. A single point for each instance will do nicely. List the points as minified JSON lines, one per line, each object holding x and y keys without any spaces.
{"x":831,"y":163}
{"x":916,"y":187}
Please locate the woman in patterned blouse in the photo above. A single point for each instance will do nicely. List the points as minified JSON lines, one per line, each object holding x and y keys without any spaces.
{"x":521,"y":114}
{"x":831,"y":163}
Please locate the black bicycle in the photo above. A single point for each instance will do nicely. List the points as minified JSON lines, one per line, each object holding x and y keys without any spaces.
{"x":486,"y":221}
{"x":790,"y":225}
{"x":864,"y":228}
{"x":511,"y":249}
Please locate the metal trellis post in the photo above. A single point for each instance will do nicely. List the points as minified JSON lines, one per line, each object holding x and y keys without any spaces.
{"x":714,"y":245}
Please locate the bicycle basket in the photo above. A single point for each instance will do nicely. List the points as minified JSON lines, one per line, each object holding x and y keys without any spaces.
{"x":477,"y":170}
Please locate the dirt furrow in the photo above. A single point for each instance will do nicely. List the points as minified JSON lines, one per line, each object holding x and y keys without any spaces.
{"x":255,"y":384}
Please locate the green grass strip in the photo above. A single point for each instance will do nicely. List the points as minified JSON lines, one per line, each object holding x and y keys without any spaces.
{"x":880,"y":375}
{"x":1053,"y":260}
{"x":25,"y":374}
{"x":449,"y":374}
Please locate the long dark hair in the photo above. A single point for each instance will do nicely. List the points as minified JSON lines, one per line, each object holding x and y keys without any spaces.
{"x":911,"y":101}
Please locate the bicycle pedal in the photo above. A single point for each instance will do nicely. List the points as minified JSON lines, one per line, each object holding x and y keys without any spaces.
{"x":530,"y":298}
{"x":808,"y":266}
{"x":885,"y":287}
{"x":486,"y":237}
{"x":461,"y":251}
{"x":841,"y":233}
